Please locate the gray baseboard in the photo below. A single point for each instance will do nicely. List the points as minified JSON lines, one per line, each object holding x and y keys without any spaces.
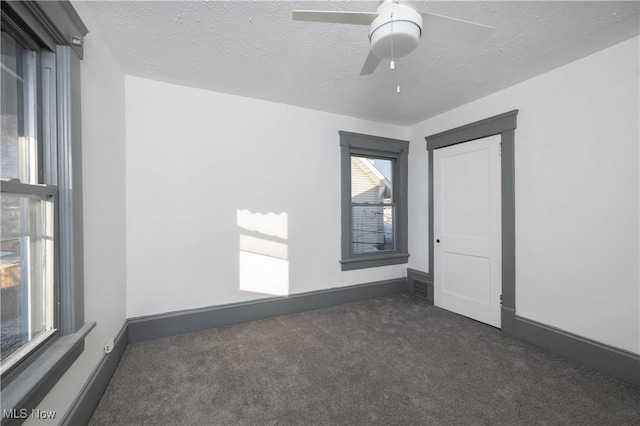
{"x":86,"y":402}
{"x":169,"y":324}
{"x":606,"y":359}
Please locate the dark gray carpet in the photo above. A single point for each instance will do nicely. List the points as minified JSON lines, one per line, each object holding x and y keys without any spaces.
{"x":390,"y":360}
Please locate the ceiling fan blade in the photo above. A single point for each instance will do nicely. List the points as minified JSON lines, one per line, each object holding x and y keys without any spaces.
{"x":370,"y":64}
{"x":438,"y":26}
{"x":335,"y":17}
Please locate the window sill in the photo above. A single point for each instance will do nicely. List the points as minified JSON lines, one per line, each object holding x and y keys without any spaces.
{"x":32,"y":384}
{"x":374,"y":261}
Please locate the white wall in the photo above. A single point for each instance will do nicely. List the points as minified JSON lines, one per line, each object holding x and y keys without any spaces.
{"x":231,"y":198}
{"x":103,"y":139}
{"x":577,"y":193}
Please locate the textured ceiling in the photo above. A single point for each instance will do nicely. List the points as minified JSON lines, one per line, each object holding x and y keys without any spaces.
{"x":255,"y":49}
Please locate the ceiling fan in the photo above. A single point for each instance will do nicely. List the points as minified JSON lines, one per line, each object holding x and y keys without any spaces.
{"x":396,"y":27}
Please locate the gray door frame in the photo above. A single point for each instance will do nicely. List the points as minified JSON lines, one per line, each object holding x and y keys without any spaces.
{"x":503,"y":125}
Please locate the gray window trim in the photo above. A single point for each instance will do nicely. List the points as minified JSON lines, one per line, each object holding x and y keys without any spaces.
{"x":53,"y":24}
{"x":71,"y":257}
{"x":504,"y":125}
{"x":361,"y":144}
{"x":39,"y":377}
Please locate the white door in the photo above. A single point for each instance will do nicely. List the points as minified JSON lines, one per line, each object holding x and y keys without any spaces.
{"x":467,"y":229}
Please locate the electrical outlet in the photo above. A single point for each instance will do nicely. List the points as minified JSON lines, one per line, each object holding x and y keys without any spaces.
{"x":108,"y":346}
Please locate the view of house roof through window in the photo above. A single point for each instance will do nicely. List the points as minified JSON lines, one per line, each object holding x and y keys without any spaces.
{"x":372,"y":205}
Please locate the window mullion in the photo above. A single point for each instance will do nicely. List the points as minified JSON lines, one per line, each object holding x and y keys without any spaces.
{"x":49,"y":122}
{"x":25,"y":188}
{"x":29,"y":145}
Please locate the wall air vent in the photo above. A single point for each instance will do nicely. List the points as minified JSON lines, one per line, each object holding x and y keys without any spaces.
{"x":420,"y":290}
{"x":420,"y":285}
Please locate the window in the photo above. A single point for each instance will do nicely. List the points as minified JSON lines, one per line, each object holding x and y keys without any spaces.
{"x":27,"y":206}
{"x":374,"y":201}
{"x":42,"y":320}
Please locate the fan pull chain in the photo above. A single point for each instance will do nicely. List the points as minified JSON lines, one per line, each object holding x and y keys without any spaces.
{"x":392,"y":64}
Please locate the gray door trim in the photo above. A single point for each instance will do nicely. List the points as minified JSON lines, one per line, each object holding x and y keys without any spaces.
{"x":504,"y":125}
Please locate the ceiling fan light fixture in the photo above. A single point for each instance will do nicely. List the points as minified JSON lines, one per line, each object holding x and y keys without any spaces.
{"x":395,"y":28}
{"x":403,"y":34}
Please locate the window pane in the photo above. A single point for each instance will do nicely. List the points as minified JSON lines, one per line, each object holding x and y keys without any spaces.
{"x":26,"y":269}
{"x":371,"y":180}
{"x":17,"y":112}
{"x":371,"y":199}
{"x":372,"y":229}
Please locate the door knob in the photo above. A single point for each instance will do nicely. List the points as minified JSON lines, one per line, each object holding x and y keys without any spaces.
{"x":438,"y":241}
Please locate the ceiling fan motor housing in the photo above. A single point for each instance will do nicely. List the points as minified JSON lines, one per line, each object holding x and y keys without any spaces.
{"x":397,"y":25}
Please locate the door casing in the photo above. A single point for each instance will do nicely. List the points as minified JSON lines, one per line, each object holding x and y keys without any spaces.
{"x":503,"y":125}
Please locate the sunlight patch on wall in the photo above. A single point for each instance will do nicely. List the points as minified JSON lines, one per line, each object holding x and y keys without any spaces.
{"x":260,"y":245}
{"x":271,"y":224}
{"x":264,"y":254}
